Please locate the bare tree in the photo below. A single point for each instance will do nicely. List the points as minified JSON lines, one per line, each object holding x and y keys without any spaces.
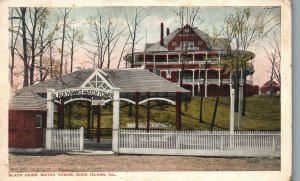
{"x":13,"y":42}
{"x":65,"y":15}
{"x":75,"y":37}
{"x":35,"y":15}
{"x":113,"y":37}
{"x":123,"y":51}
{"x":105,"y":34}
{"x":244,"y":29}
{"x":186,"y":16}
{"x":47,"y":39}
{"x":133,"y":25}
{"x":98,"y":38}
{"x":274,"y":56}
{"x":22,"y":16}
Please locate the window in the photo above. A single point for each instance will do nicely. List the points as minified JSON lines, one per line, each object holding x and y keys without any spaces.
{"x":188,"y":44}
{"x":191,"y":45}
{"x":157,"y":72}
{"x":186,"y":30}
{"x":174,"y":43}
{"x":38,"y":121}
{"x":199,"y":42}
{"x":168,"y":74}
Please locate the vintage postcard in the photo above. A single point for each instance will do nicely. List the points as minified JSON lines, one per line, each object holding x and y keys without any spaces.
{"x":156,"y":90}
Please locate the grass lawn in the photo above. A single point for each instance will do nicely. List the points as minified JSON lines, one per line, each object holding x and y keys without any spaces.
{"x":262,"y":113}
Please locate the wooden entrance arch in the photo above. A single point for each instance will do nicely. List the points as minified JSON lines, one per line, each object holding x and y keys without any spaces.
{"x":53,"y":95}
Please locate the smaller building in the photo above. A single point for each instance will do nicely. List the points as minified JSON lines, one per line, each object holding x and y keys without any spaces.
{"x":27,"y":119}
{"x":270,"y":87}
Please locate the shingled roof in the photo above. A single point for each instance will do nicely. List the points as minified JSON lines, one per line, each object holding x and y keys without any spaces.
{"x":219,"y":43}
{"x":128,"y":80}
{"x":27,"y":101}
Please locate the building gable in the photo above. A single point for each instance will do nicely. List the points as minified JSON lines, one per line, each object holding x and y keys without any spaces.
{"x":98,"y":80}
{"x":188,"y":37}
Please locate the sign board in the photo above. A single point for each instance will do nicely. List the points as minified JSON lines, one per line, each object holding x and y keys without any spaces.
{"x":98,"y":102}
{"x":104,"y":94}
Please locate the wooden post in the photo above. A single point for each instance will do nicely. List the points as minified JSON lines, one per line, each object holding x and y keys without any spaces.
{"x":178,"y":110}
{"x":81,"y":139}
{"x":92,"y":125}
{"x":232,"y":93}
{"x":89,"y":120}
{"x":137,"y":96}
{"x":148,"y":112}
{"x":61,"y":114}
{"x":98,"y":123}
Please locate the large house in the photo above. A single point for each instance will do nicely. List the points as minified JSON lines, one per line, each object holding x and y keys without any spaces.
{"x":200,"y":54}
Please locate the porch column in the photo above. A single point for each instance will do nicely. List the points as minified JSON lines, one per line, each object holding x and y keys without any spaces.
{"x":167,"y":58}
{"x":219,"y":71}
{"x":144,"y":59}
{"x":137,"y":97}
{"x":179,"y":58}
{"x":116,"y":122}
{"x":50,"y":113}
{"x":93,"y":121}
{"x":178,"y":110}
{"x":61,"y":110}
{"x":205,"y":83}
{"x":193,"y":91}
{"x":98,"y":122}
{"x":179,"y":77}
{"x":154,"y":66}
{"x":88,"y":120}
{"x":193,"y":57}
{"x":148,"y":112}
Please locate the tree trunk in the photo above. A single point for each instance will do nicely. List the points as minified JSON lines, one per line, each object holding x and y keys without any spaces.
{"x":33,"y":44}
{"x":236,"y":86}
{"x":244,"y":94}
{"x":41,"y":63}
{"x":216,"y":106}
{"x":24,"y":41}
{"x":62,"y":44}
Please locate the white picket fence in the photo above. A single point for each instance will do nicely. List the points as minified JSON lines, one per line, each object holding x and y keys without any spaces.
{"x":67,"y":139}
{"x":201,"y":143}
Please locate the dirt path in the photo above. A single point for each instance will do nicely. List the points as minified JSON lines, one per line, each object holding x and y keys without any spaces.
{"x":107,"y":163}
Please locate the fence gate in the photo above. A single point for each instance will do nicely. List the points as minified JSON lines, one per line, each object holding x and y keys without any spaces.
{"x":67,"y":139}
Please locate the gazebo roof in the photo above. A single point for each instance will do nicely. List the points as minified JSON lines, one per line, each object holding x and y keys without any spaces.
{"x":128,"y":80}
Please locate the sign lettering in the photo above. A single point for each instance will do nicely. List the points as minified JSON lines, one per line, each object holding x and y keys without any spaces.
{"x":104,"y":94}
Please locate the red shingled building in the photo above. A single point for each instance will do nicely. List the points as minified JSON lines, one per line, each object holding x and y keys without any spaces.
{"x":165,"y":59}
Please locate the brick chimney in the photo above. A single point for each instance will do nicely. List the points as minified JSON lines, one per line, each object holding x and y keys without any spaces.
{"x":162,"y":34}
{"x":168,"y":31}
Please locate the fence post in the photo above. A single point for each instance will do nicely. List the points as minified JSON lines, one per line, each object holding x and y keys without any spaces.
{"x":273,"y":144}
{"x":116,"y":120}
{"x":81,"y":138}
{"x":222,"y":142}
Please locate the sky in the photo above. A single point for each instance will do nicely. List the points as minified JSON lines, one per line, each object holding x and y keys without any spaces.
{"x":149,"y":30}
